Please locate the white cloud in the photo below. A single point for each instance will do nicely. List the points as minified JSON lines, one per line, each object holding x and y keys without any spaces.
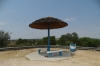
{"x":69,"y":19}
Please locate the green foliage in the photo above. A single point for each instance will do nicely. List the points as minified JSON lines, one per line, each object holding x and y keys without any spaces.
{"x":89,"y":42}
{"x":25,"y":42}
{"x":74,"y":37}
{"x":19,"y":42}
{"x":68,"y":39}
{"x":4,"y":38}
{"x":98,"y":42}
{"x":68,"y":43}
{"x":40,"y":42}
{"x":52,"y":40}
{"x":31,"y":42}
{"x":44,"y":41}
{"x":62,"y":40}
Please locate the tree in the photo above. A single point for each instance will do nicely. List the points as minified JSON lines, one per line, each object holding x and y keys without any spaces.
{"x":89,"y":42}
{"x":19,"y":42}
{"x":40,"y":42}
{"x":69,"y":37}
{"x":4,"y":38}
{"x":32,"y":42}
{"x":62,"y":40}
{"x":68,"y":43}
{"x":98,"y":42}
{"x":25,"y":42}
{"x":45,"y":40}
{"x":52,"y":40}
{"x":75,"y":37}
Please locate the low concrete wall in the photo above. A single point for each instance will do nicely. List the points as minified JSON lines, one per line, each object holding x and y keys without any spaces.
{"x":52,"y":46}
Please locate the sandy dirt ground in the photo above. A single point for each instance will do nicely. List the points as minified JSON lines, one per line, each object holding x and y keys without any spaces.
{"x":79,"y":58}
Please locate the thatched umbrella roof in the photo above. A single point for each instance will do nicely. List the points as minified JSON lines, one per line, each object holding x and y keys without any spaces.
{"x":43,"y":23}
{"x":48,"y":23}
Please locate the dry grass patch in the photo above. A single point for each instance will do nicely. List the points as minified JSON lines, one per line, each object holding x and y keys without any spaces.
{"x":79,"y":58}
{"x":15,"y":53}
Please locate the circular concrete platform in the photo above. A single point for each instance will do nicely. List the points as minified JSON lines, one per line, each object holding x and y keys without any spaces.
{"x":41,"y":56}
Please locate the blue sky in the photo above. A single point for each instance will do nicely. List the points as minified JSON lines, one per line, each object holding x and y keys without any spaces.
{"x":82,"y":16}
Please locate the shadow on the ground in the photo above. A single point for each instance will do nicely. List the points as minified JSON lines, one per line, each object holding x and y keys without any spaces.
{"x":72,"y":54}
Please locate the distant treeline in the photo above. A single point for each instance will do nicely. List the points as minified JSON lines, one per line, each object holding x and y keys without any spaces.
{"x":66,"y":39}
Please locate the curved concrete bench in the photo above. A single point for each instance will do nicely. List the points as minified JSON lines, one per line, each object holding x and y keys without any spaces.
{"x":50,"y":52}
